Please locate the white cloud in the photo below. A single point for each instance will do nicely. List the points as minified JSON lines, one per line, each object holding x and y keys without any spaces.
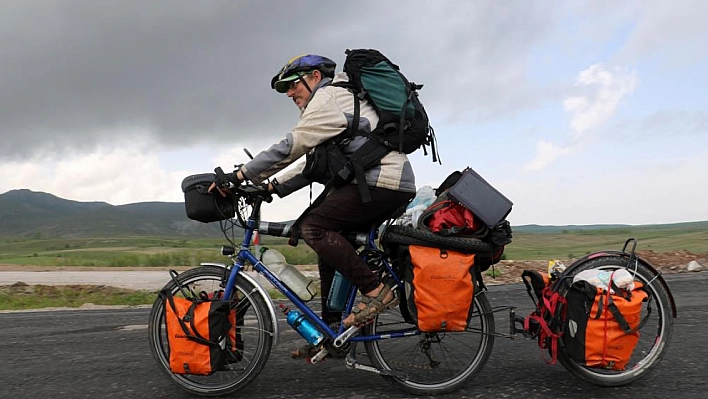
{"x":113,"y":175}
{"x":657,"y":191}
{"x":590,"y":111}
{"x":603,"y":90}
{"x":546,"y":153}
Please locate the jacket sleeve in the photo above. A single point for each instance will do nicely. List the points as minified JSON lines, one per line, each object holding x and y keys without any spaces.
{"x":321,"y":120}
{"x":291,"y":181}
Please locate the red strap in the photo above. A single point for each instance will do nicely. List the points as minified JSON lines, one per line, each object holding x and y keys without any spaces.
{"x":547,"y":309}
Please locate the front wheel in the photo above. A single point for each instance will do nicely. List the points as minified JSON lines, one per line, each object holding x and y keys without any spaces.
{"x":654,"y":336}
{"x":435,"y":363}
{"x":253,"y":329}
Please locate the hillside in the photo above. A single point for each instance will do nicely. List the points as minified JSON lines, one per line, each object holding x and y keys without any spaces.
{"x":30,"y":214}
{"x":25,"y":213}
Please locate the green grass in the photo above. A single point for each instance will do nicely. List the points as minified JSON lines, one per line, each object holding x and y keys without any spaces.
{"x":21,"y":296}
{"x":573,"y":244}
{"x":156,"y":251}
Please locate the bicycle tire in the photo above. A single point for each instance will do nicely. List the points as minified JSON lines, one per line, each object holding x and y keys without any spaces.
{"x":654,"y":337}
{"x":461,"y":357}
{"x":412,"y":236}
{"x":256,"y":333}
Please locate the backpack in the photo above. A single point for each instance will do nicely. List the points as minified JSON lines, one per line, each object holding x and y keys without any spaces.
{"x":439,"y":288}
{"x":196,"y":331}
{"x":403,"y":124}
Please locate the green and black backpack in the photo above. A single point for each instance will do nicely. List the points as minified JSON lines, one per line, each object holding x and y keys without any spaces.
{"x":403,"y":125}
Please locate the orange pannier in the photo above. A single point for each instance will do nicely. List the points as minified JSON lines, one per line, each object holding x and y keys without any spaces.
{"x":196,"y":333}
{"x":602,"y":329}
{"x":443,"y":288}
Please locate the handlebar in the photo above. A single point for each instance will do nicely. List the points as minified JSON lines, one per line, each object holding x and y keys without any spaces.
{"x":274,"y":229}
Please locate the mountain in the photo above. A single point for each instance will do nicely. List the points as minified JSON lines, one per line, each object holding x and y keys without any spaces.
{"x":25,"y":213}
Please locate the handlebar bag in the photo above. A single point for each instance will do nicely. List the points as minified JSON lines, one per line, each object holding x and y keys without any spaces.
{"x":442,"y":288}
{"x":602,"y":327}
{"x":202,"y":205}
{"x":196,"y":333}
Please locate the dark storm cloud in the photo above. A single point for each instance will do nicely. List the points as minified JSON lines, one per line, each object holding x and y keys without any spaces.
{"x":76,"y":74}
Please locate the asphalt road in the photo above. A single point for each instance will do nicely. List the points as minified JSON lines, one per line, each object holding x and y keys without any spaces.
{"x":104,"y":354}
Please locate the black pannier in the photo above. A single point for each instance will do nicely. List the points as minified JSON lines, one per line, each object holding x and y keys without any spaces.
{"x":204,"y":206}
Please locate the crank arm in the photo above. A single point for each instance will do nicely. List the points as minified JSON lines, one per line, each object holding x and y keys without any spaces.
{"x":344,"y":337}
{"x":319,"y":356}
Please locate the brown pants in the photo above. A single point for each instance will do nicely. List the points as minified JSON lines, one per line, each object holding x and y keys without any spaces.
{"x":343,"y":210}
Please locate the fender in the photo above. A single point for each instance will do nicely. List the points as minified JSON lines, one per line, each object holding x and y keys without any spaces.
{"x":628,"y":257}
{"x":264,"y":294}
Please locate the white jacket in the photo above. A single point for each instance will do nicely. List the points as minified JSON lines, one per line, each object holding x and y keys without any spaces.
{"x":328,"y":113}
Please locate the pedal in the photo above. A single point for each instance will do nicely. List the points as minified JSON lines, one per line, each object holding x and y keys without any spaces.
{"x":352,"y":363}
{"x":319,"y":356}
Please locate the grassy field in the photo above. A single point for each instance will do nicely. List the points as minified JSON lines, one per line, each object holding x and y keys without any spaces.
{"x":22,"y":296}
{"x":146,"y":252}
{"x":573,"y":244}
{"x":129,"y":252}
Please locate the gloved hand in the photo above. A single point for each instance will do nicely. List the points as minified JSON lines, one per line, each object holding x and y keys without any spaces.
{"x":225,"y":181}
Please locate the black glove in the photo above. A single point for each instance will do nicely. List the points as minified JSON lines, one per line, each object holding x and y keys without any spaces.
{"x":226,"y":180}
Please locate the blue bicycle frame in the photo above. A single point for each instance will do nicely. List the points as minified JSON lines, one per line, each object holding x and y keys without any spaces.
{"x":244,"y":255}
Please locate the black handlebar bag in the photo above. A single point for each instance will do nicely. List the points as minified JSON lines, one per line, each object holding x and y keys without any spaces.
{"x":202,"y":205}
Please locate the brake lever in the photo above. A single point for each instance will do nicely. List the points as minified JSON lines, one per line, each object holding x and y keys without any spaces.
{"x":222,"y":179}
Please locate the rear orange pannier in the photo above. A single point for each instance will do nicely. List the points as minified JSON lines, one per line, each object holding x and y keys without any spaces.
{"x":443,"y":288}
{"x":602,"y":329}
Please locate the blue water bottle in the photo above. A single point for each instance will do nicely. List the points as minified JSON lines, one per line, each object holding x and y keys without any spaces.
{"x":338,"y":293}
{"x":303,"y":326}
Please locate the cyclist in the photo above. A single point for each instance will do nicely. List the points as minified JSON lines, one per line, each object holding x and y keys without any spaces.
{"x":325,"y":112}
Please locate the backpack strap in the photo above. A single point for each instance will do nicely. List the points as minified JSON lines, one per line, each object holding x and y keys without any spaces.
{"x":366,"y":156}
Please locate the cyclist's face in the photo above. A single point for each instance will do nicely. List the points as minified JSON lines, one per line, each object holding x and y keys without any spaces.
{"x":299,"y":92}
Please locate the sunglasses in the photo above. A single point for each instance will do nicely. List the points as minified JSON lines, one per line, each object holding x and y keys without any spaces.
{"x":295,"y":82}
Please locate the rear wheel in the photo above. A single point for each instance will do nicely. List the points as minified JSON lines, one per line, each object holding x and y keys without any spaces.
{"x":254,"y":329}
{"x":654,"y":337}
{"x":430,"y":364}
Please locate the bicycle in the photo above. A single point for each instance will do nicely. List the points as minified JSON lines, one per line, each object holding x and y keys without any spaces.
{"x":418,"y":363}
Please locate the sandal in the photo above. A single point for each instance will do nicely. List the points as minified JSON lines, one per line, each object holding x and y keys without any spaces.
{"x":373,"y":306}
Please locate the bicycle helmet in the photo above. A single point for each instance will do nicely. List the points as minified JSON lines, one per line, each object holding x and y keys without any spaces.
{"x":300,"y":65}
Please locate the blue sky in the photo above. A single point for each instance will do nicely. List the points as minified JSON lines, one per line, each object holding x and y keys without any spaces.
{"x":580,"y":112}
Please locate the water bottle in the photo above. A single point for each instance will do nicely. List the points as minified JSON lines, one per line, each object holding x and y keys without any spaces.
{"x":338,"y":293}
{"x":303,"y":326}
{"x":302,"y":286}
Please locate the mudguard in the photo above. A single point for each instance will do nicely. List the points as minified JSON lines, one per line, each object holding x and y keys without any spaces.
{"x":266,"y":298}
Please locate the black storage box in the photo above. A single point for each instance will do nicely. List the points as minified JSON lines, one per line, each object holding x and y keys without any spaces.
{"x":204,"y":206}
{"x":488,"y":204}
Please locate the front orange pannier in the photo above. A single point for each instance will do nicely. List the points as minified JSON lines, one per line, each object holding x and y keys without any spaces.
{"x":196,"y":333}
